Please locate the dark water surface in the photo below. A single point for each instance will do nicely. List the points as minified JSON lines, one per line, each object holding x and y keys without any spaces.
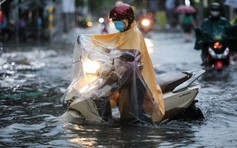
{"x":34,"y":78}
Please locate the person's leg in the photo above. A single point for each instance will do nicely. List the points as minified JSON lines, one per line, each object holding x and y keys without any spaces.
{"x":124,"y":103}
{"x":104,"y":108}
{"x":107,"y":113}
{"x":131,"y":102}
{"x":204,"y":54}
{"x":141,"y":91}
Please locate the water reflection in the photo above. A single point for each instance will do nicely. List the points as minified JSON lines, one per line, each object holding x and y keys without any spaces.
{"x":219,"y":76}
{"x":149,"y":44}
{"x":170,"y":134}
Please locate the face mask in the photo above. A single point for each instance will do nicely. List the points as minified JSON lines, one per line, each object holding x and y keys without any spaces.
{"x":119,"y":25}
{"x":215,"y":13}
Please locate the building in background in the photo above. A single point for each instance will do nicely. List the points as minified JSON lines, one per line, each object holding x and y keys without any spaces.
{"x":34,"y":20}
{"x":49,"y":19}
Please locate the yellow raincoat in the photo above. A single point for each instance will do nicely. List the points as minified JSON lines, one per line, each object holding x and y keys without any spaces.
{"x":133,"y":39}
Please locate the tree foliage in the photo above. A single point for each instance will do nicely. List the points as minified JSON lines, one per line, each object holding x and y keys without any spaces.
{"x":100,"y":7}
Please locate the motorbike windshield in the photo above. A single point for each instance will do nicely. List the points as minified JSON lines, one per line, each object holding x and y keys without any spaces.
{"x":102,"y":69}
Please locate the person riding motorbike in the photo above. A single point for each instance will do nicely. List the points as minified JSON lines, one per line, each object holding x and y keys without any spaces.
{"x":138,"y":98}
{"x":234,"y":43}
{"x":214,"y":26}
{"x":129,"y":38}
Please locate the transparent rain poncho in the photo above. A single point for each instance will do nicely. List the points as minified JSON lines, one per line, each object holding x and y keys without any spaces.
{"x":104,"y":71}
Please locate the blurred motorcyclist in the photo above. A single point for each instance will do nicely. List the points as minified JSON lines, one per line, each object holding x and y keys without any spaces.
{"x":146,"y":23}
{"x":129,"y":38}
{"x":214,"y":25}
{"x":234,"y":43}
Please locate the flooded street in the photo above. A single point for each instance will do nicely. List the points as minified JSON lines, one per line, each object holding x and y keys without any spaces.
{"x":34,"y":78}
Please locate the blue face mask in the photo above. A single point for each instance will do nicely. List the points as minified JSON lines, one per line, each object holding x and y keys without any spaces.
{"x":119,"y":25}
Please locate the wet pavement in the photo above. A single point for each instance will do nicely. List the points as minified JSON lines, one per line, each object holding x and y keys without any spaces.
{"x":34,"y":78}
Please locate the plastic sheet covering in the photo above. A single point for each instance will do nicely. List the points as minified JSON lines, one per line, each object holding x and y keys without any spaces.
{"x":103,"y":67}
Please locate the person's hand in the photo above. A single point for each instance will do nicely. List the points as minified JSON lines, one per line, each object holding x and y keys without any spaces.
{"x":217,"y":37}
{"x":127,"y":56}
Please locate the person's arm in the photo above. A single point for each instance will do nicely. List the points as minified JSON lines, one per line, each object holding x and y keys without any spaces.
{"x":193,"y":23}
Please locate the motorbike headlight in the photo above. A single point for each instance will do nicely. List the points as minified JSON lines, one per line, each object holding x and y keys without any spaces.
{"x":90,"y":66}
{"x":91,"y":86}
{"x":101,"y":20}
{"x":146,"y":22}
{"x":217,"y":45}
{"x":89,"y":24}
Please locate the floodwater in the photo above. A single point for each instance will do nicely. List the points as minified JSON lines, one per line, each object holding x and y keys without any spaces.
{"x":34,"y":78}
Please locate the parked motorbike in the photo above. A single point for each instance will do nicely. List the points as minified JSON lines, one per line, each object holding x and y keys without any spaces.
{"x":102,"y":73}
{"x":217,"y":48}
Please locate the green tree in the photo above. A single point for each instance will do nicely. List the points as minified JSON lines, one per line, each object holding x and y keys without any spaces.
{"x":100,"y":7}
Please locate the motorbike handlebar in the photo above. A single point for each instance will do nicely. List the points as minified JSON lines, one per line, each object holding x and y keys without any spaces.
{"x":208,"y":38}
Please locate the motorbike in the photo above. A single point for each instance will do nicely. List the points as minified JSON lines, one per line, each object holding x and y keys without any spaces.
{"x":99,"y":75}
{"x":180,"y":91}
{"x":146,"y":23}
{"x":217,"y":48}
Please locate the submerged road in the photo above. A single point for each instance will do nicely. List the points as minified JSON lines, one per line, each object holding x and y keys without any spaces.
{"x":34,"y":78}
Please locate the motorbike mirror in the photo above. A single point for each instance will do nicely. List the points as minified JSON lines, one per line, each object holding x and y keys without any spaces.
{"x":127,"y":56}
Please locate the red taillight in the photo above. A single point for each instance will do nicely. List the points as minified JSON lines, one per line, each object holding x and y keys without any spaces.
{"x":219,"y":65}
{"x":217,"y":45}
